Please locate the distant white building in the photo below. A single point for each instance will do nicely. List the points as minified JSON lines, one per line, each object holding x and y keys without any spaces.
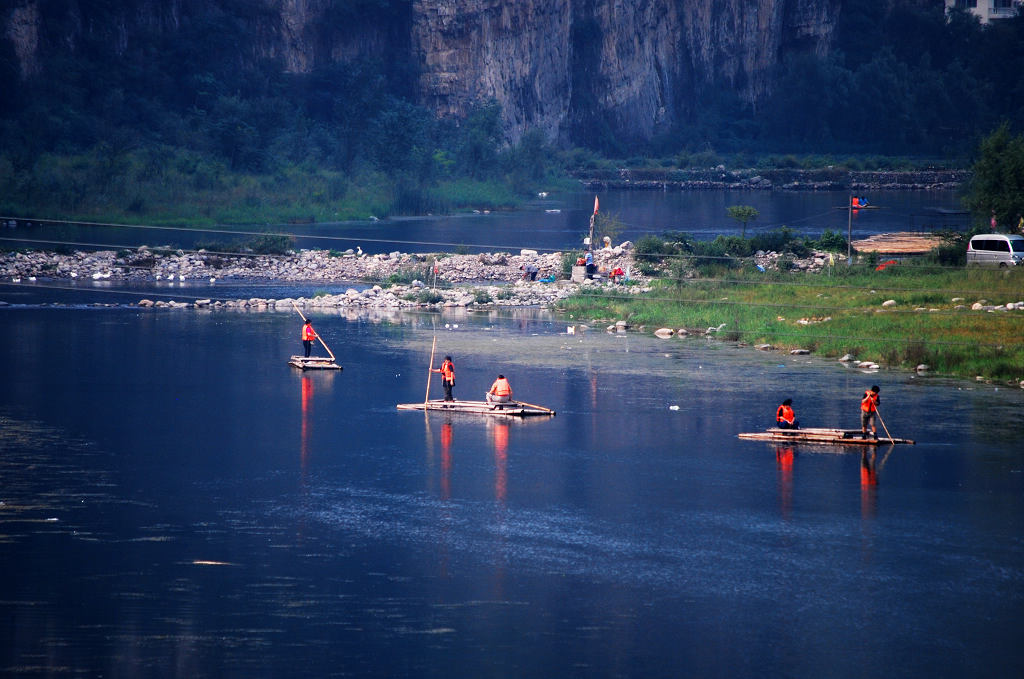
{"x":988,"y":9}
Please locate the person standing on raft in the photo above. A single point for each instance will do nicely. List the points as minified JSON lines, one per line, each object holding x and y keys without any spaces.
{"x":500,"y":391}
{"x":868,"y":408}
{"x":785,"y":418}
{"x":308,"y":335}
{"x":447,"y":371}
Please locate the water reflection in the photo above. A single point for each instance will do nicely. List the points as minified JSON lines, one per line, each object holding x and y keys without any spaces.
{"x":868,"y":484}
{"x":784,"y":458}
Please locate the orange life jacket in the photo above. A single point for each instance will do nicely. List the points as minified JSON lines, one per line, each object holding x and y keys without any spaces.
{"x":501,"y":387}
{"x":855,"y":202}
{"x":448,"y":371}
{"x":785,"y":413}
{"x":307,"y":333}
{"x":869,"y":403}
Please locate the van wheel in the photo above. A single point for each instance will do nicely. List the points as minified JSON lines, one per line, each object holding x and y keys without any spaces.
{"x":1002,"y":265}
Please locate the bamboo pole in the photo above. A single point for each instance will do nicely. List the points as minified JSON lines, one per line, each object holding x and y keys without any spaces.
{"x":883,"y":423}
{"x":533,"y":405}
{"x":430,"y":371}
{"x":331,"y":353}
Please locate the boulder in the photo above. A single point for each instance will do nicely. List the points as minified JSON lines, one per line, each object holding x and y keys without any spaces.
{"x":664,"y":333}
{"x":847,"y":358}
{"x":889,"y":303}
{"x":799,"y":352}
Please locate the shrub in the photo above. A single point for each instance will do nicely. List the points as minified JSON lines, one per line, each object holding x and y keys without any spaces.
{"x":272,"y":244}
{"x":407,"y":275}
{"x":649,"y":249}
{"x":832,"y":241}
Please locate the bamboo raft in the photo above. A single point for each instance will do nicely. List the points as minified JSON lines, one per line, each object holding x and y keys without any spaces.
{"x":510,"y":409}
{"x":314,"y":363}
{"x":839,"y":437}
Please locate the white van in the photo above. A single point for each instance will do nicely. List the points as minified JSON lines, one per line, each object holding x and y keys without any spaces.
{"x":996,"y":249}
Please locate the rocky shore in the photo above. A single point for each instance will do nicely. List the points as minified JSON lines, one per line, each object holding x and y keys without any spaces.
{"x":386,"y":281}
{"x":720,"y":178}
{"x":382,"y":281}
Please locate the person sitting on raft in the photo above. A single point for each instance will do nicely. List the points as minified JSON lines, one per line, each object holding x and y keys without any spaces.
{"x":500,"y":391}
{"x":785,"y":418}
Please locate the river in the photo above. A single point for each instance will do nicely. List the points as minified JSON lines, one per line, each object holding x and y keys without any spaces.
{"x":560,"y":221}
{"x":177,"y":501}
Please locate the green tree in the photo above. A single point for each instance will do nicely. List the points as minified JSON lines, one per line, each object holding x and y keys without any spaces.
{"x":743,"y":214}
{"x":997,"y":184}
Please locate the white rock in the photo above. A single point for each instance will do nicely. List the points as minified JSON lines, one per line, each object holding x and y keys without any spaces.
{"x":889,"y":303}
{"x":664,"y":333}
{"x":799,"y":352}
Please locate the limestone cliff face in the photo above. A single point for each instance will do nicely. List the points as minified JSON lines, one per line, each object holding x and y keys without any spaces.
{"x":636,"y":66}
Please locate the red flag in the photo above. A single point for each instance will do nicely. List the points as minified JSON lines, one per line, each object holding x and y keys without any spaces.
{"x":595,"y":205}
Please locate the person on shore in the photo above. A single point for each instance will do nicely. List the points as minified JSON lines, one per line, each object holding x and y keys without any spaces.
{"x":785,"y":418}
{"x":617,"y":274}
{"x":868,"y":408}
{"x":589,"y":259}
{"x":308,"y":335}
{"x":500,"y":391}
{"x":447,"y":371}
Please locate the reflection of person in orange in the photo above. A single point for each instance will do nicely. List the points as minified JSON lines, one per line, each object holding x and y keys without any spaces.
{"x":447,"y":371}
{"x":308,"y":335}
{"x":868,"y":470}
{"x":446,"y":459}
{"x":307,"y":400}
{"x":785,"y":418}
{"x":500,"y":391}
{"x":500,"y":460}
{"x":784,"y":458}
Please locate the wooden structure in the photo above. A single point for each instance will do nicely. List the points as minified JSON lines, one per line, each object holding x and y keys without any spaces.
{"x":838,"y":437}
{"x":314,"y":363}
{"x":510,"y":409}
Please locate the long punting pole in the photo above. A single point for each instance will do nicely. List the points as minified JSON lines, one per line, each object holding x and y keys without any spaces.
{"x":430,"y":370}
{"x":883,"y":423}
{"x":533,"y":405}
{"x":317,"y":335}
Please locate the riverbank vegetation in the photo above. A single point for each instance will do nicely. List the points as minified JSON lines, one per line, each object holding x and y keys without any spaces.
{"x":905,"y":315}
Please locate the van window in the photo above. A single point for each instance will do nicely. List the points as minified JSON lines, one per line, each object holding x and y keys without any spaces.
{"x":999,"y":245}
{"x":1018,"y":245}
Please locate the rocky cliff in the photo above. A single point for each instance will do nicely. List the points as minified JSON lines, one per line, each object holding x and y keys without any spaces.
{"x":636,"y":67}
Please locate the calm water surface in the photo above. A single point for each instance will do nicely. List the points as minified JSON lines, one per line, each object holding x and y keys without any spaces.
{"x":562,"y":220}
{"x":177,"y":501}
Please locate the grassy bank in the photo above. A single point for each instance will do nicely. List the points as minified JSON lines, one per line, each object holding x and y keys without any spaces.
{"x":842,"y":312}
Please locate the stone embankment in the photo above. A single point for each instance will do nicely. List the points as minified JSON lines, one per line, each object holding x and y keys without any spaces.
{"x":387,"y":281}
{"x":720,"y":178}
